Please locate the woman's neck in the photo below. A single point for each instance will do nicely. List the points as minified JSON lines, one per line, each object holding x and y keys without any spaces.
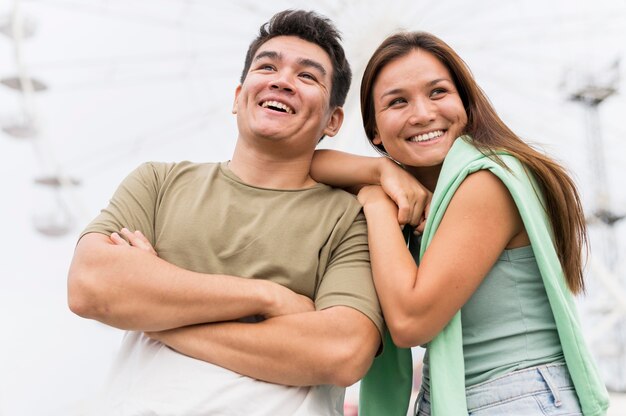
{"x":427,"y":176}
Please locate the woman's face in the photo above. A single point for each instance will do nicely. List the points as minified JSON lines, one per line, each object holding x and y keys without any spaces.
{"x":418,"y":110}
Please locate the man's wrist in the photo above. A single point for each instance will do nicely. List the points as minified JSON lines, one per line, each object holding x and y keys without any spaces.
{"x":268,"y":297}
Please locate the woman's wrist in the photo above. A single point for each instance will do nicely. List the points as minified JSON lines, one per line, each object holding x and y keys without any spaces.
{"x":373,"y":197}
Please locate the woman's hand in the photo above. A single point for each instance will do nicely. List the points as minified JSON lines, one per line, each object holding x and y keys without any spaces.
{"x":411,"y":197}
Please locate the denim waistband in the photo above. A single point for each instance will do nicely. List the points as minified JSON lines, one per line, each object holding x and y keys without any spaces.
{"x":549,"y":377}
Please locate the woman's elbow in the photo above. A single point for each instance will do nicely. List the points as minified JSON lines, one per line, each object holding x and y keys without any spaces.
{"x":409,"y":332}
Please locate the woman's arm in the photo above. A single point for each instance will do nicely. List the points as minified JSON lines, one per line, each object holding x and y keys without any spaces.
{"x":479,"y":223}
{"x":345,"y":170}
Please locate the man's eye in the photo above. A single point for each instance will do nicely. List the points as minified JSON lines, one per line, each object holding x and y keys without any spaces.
{"x":307,"y":76}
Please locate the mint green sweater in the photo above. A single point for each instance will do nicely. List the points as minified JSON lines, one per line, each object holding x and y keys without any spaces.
{"x":386,"y":388}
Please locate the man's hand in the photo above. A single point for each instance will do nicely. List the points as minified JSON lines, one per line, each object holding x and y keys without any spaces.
{"x":135,"y":239}
{"x":411,"y":197}
{"x":284,"y":300}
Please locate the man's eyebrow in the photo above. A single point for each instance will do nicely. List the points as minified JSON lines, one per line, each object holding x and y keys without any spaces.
{"x":313,"y":64}
{"x":267,"y":54}
{"x":302,"y":61}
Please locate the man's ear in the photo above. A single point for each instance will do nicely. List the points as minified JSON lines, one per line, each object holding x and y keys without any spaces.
{"x":237,"y":91}
{"x":334,"y":122}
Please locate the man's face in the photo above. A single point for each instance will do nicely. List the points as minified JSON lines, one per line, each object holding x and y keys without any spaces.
{"x":286,"y":93}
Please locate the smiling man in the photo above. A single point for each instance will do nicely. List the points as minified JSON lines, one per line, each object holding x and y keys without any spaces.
{"x":244,"y":286}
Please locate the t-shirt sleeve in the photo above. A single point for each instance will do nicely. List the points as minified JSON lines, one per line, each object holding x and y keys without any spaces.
{"x":133,"y":204}
{"x":347,"y":279}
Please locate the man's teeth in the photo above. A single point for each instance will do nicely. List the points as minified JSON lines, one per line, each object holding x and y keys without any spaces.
{"x":275,"y":105}
{"x":426,"y":136}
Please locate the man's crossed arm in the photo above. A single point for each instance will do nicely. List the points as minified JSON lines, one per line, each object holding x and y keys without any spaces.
{"x":124,"y":284}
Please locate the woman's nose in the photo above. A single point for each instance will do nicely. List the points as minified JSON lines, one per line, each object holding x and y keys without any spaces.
{"x":422,"y":112}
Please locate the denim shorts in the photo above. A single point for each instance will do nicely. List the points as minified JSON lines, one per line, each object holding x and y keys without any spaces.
{"x":542,"y":390}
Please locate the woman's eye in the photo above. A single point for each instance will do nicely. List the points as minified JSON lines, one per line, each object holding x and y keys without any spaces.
{"x":267,"y":67}
{"x":397,"y":101}
{"x":437,"y":92}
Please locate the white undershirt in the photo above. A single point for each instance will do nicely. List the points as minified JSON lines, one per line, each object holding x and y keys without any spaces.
{"x":149,"y":378}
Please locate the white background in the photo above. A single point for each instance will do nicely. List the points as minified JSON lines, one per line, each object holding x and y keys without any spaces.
{"x":130,"y":81}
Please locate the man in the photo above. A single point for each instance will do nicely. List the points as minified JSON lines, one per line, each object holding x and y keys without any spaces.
{"x":216,"y":297}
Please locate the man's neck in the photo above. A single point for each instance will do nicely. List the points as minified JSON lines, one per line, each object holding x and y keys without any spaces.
{"x":271,"y":171}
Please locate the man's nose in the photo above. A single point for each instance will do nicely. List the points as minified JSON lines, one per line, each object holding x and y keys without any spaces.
{"x":282,"y":82}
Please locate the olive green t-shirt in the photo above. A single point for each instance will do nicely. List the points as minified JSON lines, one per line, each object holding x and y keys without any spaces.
{"x":202,"y":218}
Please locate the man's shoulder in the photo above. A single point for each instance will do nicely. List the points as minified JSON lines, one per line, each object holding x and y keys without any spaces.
{"x":344,"y":197}
{"x":184,"y":165}
{"x":342,"y":203}
{"x":338,"y":193}
{"x":163,"y":170}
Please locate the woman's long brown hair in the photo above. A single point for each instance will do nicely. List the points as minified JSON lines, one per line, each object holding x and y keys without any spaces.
{"x":490,"y":134}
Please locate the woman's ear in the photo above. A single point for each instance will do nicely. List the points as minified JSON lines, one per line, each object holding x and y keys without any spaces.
{"x":376,"y":139}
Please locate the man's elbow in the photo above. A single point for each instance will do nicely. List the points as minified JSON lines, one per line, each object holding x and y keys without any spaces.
{"x":351,"y":371}
{"x":351,"y":364}
{"x":82,"y":292}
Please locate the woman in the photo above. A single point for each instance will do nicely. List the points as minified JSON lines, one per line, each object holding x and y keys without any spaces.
{"x":501,"y":248}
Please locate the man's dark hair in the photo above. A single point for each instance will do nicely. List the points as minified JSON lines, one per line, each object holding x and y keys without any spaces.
{"x":314,"y":28}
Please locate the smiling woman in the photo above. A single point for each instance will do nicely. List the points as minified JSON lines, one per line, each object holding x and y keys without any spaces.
{"x":492,"y":195}
{"x":420,"y":110}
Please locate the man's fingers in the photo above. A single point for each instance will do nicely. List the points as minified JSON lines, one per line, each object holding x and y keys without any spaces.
{"x":144,"y":241}
{"x":128,"y":234}
{"x":138,"y":240}
{"x":134,"y":238}
{"x":118,"y":240}
{"x":141,"y":237}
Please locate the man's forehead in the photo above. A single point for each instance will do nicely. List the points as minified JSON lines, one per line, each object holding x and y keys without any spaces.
{"x":304,"y":50}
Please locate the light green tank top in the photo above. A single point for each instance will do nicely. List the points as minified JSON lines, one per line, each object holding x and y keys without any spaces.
{"x":386,"y":388}
{"x":507,"y":323}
